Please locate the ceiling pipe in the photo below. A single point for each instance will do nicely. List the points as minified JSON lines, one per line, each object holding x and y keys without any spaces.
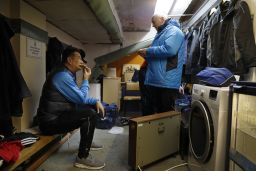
{"x":173,"y":4}
{"x":113,"y":56}
{"x":105,"y":12}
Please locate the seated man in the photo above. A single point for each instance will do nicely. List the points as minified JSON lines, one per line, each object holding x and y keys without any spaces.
{"x":64,"y":106}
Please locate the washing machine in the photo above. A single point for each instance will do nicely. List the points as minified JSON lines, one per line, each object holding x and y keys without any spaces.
{"x":208,"y":128}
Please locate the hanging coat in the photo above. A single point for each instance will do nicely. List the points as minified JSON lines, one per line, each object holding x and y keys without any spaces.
{"x":12,"y":87}
{"x":53,"y":54}
{"x":231,"y":41}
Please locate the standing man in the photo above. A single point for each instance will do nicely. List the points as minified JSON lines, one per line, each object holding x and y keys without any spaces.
{"x":65,"y":107}
{"x":164,"y":70}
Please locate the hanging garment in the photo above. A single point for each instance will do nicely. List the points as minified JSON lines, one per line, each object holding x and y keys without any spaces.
{"x":231,"y":41}
{"x":203,"y":37}
{"x":192,"y":66}
{"x":188,"y":41}
{"x":187,"y":69}
{"x":53,"y":54}
{"x":13,"y":87}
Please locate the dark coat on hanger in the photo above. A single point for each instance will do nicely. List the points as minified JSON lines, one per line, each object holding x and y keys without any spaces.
{"x":231,"y":41}
{"x":53,"y":54}
{"x":12,"y":87}
{"x":194,"y":53}
{"x":206,"y":26}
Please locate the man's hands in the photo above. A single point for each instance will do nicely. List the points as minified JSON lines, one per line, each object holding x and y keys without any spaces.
{"x":86,"y":72}
{"x":100,"y":109}
{"x":142,"y":52}
{"x":181,"y":90}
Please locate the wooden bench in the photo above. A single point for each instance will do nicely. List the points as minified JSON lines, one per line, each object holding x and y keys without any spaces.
{"x":32,"y":157}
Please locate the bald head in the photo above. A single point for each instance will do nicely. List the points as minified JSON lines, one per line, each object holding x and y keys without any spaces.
{"x":158,"y":20}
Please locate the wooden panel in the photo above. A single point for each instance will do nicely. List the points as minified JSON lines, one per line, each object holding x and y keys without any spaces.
{"x":155,"y":116}
{"x":132,"y":86}
{"x":111,"y":90}
{"x":48,"y":143}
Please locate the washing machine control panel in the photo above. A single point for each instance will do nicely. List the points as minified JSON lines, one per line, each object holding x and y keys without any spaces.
{"x":213,"y":94}
{"x":203,"y":93}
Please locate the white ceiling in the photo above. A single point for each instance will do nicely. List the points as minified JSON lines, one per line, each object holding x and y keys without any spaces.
{"x":135,"y":15}
{"x":77,"y":19}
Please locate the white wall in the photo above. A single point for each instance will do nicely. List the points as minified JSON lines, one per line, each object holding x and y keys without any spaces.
{"x":32,"y":69}
{"x":135,"y":37}
{"x":62,"y":36}
{"x":95,"y":50}
{"x":5,"y":7}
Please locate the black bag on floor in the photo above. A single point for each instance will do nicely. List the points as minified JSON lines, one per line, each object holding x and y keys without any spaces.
{"x":111,"y":113}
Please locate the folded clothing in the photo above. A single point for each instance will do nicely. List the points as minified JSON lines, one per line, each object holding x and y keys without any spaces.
{"x":26,"y":138}
{"x":9,"y":151}
{"x":220,"y":77}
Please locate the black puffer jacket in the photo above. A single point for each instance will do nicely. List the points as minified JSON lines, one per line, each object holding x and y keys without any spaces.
{"x":231,"y":41}
{"x":52,"y":102}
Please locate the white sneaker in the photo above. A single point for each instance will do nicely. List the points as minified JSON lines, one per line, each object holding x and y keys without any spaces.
{"x":95,"y":147}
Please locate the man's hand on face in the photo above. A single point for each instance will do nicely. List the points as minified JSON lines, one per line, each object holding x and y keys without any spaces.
{"x":100,"y":108}
{"x":86,"y":72}
{"x":142,"y":52}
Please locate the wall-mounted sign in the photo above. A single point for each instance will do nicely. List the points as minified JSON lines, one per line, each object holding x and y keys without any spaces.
{"x":34,"y":48}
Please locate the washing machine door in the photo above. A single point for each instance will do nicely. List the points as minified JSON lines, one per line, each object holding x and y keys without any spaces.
{"x":201,"y":132}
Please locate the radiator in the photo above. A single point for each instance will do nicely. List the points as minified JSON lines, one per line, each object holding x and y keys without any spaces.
{"x":152,"y":138}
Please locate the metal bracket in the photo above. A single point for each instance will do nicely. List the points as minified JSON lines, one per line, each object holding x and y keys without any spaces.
{"x":201,"y":13}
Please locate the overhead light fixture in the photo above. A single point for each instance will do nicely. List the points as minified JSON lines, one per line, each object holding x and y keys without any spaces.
{"x":172,"y":7}
{"x":179,"y":7}
{"x":163,"y":6}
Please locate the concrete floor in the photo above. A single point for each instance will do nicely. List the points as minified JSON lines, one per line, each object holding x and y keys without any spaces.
{"x":114,"y":154}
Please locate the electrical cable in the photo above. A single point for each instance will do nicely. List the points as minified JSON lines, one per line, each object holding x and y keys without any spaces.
{"x":139,"y":168}
{"x":179,"y":165}
{"x":183,"y":164}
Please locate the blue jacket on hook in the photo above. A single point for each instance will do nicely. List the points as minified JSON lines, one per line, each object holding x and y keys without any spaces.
{"x":164,"y":57}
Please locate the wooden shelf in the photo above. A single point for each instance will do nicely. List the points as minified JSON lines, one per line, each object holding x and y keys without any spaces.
{"x":27,"y":152}
{"x":38,"y":152}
